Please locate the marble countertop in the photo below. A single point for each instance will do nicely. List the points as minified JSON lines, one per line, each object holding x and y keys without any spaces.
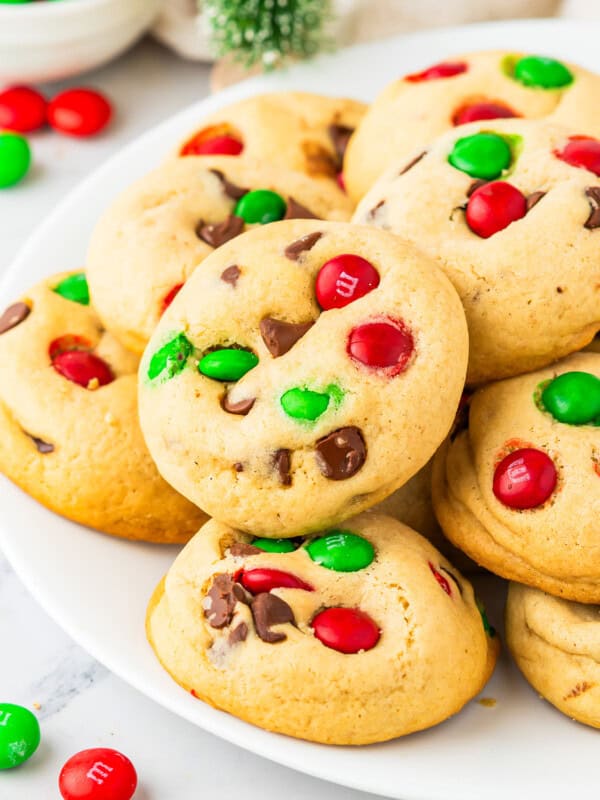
{"x":79,"y":703}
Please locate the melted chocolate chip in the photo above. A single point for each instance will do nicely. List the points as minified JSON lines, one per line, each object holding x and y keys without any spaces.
{"x":238,"y":466}
{"x":230,"y":189}
{"x":218,"y":233}
{"x":341,"y":453}
{"x":238,"y":634}
{"x":593,"y":195}
{"x":41,"y":445}
{"x":269,"y":610}
{"x":241,"y":549}
{"x":475,"y":185}
{"x":294,"y":250}
{"x":13,"y":316}
{"x":280,"y":336}
{"x":231,"y":275}
{"x":295,"y":210}
{"x":222,"y":601}
{"x":282,"y":461}
{"x":318,"y":160}
{"x":533,"y":199}
{"x":242,"y":407}
{"x":411,"y":164}
{"x":340,"y":136}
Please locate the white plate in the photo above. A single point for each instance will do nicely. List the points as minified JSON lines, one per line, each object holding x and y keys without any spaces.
{"x":97,"y":587}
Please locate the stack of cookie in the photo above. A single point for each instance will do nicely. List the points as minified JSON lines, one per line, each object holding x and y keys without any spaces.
{"x":302,"y":368}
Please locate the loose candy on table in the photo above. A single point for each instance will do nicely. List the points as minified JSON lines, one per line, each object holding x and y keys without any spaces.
{"x":474,"y":112}
{"x":493,"y":206}
{"x":542,"y":72}
{"x":447,"y":69}
{"x":15,"y":158}
{"x":343,"y":279}
{"x":100,"y":773}
{"x":382,"y":345}
{"x":341,"y":551}
{"x":525,"y":478}
{"x":582,"y":152}
{"x":573,"y":398}
{"x":83,"y":368}
{"x":74,"y":288}
{"x":19,"y":735}
{"x":227,"y":364}
{"x":22,"y":109}
{"x":481,"y":155}
{"x":347,"y":630}
{"x":260,"y":206}
{"x":79,"y":112}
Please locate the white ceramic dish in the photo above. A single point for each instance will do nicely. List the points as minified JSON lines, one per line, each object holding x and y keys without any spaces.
{"x":48,"y":41}
{"x":97,"y":587}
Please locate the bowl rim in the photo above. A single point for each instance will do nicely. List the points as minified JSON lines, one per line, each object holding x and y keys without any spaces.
{"x":31,"y":12}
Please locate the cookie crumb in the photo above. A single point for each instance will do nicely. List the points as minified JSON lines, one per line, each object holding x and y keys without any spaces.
{"x":36,"y":705}
{"x":93,"y":384}
{"x":487,"y":702}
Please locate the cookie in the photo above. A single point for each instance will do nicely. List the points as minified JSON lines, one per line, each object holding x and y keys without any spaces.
{"x":411,"y":112}
{"x":307,"y":371}
{"x":509,"y":210}
{"x":519,"y":489}
{"x":157,"y":232}
{"x":556,"y":645}
{"x":353,"y":636}
{"x":290,"y":130}
{"x":69,"y":430}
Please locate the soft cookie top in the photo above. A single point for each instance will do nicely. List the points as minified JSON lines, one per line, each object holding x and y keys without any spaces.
{"x":292,"y":130}
{"x":307,"y":371}
{"x":519,"y":488}
{"x":510,"y":210}
{"x":370,"y":617}
{"x":69,"y":430}
{"x":411,"y":112}
{"x":158,"y":230}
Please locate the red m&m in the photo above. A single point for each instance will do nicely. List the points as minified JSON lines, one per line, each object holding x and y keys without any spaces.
{"x":263,"y":580}
{"x":443,"y":582}
{"x":583,"y":152}
{"x":478,"y":111}
{"x":170,"y":296}
{"x":344,"y":279}
{"x":22,"y":109}
{"x":79,"y":112}
{"x":83,"y":368}
{"x":493,"y":206}
{"x":382,"y":344}
{"x":217,"y":146}
{"x":347,"y":630}
{"x":98,"y":774}
{"x":525,"y":478}
{"x":447,"y":69}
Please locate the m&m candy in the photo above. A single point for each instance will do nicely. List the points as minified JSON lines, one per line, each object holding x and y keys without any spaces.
{"x":447,"y":69}
{"x":22,"y":109}
{"x":484,"y":110}
{"x":263,"y":580}
{"x":274,"y":545}
{"x":347,"y":630}
{"x":525,"y":478}
{"x":83,"y":368}
{"x":481,"y":155}
{"x":170,"y":296}
{"x":381,"y":345}
{"x":171,"y":358}
{"x":343,"y":279}
{"x":341,"y":551}
{"x":304,"y":403}
{"x":98,"y":774}
{"x":79,"y":112}
{"x":582,"y":152}
{"x":493,"y":206}
{"x":441,"y":579}
{"x":15,"y":158}
{"x":542,"y":72}
{"x":227,"y":364}
{"x":74,"y":288}
{"x":19,"y":735}
{"x":573,"y":398}
{"x":223,"y":145}
{"x":260,"y":206}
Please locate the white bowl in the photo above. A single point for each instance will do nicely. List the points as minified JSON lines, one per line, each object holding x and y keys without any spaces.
{"x":47,"y":41}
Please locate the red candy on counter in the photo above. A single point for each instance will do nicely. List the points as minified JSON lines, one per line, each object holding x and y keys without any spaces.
{"x":263,"y":580}
{"x":446,"y":69}
{"x":525,"y":478}
{"x":223,"y":145}
{"x":79,"y":112}
{"x":583,"y":152}
{"x":22,"y":109}
{"x":343,"y":279}
{"x":98,"y":774}
{"x":479,"y":111}
{"x":347,"y":630}
{"x":83,"y":368}
{"x":493,"y":206}
{"x":381,"y":344}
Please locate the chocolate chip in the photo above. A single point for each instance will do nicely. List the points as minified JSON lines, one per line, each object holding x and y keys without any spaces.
{"x":238,"y":634}
{"x":242,"y":407}
{"x":373,"y":212}
{"x":411,"y":164}
{"x":218,"y":233}
{"x":533,"y":199}
{"x":230,"y":189}
{"x":282,"y":462}
{"x":41,"y":445}
{"x":475,"y":185}
{"x":241,"y":595}
{"x":222,"y":601}
{"x":280,"y":336}
{"x":231,"y":275}
{"x":340,"y":136}
{"x":593,"y":195}
{"x":13,"y":316}
{"x":269,"y":610}
{"x":341,"y":453}
{"x":294,"y":250}
{"x":295,"y":210}
{"x":241,"y":549}
{"x":238,"y":466}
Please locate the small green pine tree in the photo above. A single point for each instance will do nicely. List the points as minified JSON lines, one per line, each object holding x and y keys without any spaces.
{"x":267,"y":31}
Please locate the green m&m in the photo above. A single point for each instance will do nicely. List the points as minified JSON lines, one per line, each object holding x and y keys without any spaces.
{"x":260,"y":207}
{"x":542,"y":72}
{"x":74,"y":288}
{"x":341,"y":551}
{"x":19,"y":735}
{"x":274,"y":545}
{"x":304,"y":403}
{"x":171,"y":358}
{"x":15,"y":157}
{"x":227,"y":364}
{"x":481,"y":155}
{"x":573,"y":398}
